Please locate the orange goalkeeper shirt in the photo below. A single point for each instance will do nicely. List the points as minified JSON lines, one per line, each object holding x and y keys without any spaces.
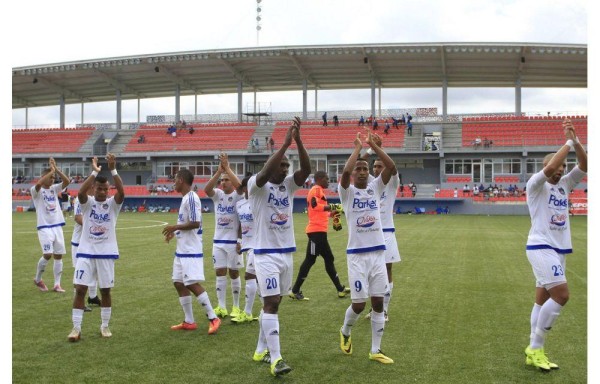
{"x":318,"y":217}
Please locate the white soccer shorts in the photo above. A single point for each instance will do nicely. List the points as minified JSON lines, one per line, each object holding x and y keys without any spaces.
{"x":250,"y":262}
{"x":87,"y":270}
{"x":226,"y":256}
{"x":52,"y":241}
{"x":367,"y":275}
{"x":549,"y":267}
{"x":392,"y":254}
{"x":188,"y":270}
{"x":274,"y":273}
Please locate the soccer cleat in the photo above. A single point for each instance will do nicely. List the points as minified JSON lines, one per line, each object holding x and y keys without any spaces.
{"x":57,"y":288}
{"x":40,"y":284}
{"x":93,"y":300}
{"x":243,"y":317}
{"x":539,"y":359}
{"x":343,"y":293}
{"x":105,"y":332}
{"x":380,"y":357}
{"x":185,"y":326}
{"x":264,"y":356}
{"x":345,"y":343}
{"x":298,"y":296}
{"x":279,"y":367}
{"x":385,"y":315}
{"x":87,"y":309}
{"x":75,"y":335}
{"x":235,"y":312}
{"x":214,"y":325}
{"x":220,"y":312}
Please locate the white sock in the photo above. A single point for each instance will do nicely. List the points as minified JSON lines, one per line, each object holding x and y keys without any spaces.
{"x":77,"y":316}
{"x":270,"y":326}
{"x":58,"y":269}
{"x":105,"y":313}
{"x":377,"y":325}
{"x":250,"y":295}
{"x":262,"y":340}
{"x":186,"y":304}
{"x":236,"y":288}
{"x":349,"y":320}
{"x":535,"y":313}
{"x":204,"y":301}
{"x":41,"y":267}
{"x":548,"y":314}
{"x":222,"y":291}
{"x":93,"y":290}
{"x":387,"y":296}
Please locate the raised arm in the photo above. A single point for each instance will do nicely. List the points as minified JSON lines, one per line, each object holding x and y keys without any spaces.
{"x":390,"y":166}
{"x":87,"y":184}
{"x":301,"y":174}
{"x":579,"y":150}
{"x":112,"y":166}
{"x":63,"y":177}
{"x":209,"y":188}
{"x":235,"y":181}
{"x":349,"y":167}
{"x":275,"y":160}
{"x":44,"y":179}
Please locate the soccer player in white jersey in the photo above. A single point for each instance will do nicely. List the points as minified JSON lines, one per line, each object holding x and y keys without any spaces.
{"x":549,"y":241}
{"x":366,"y":244}
{"x":98,"y":247}
{"x":245,"y":245}
{"x":188,"y":265}
{"x":77,"y":228}
{"x":271,"y":195}
{"x":50,"y":221}
{"x":225,"y":257}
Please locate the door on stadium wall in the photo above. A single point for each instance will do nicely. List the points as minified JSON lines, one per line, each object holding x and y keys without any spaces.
{"x":476,"y":171}
{"x":483,"y":172}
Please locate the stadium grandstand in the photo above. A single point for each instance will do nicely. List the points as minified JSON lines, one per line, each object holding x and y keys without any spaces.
{"x":497,"y":151}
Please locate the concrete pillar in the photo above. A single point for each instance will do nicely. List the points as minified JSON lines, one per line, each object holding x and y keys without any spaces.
{"x":445,"y":99}
{"x":177,"y":103}
{"x":239,"y":108}
{"x":62,"y":111}
{"x":118,"y":109}
{"x":304,"y":98}
{"x":373,"y":97}
{"x":518,"y":97}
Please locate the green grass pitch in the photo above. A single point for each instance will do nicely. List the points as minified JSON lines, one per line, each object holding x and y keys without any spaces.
{"x":459,"y":312}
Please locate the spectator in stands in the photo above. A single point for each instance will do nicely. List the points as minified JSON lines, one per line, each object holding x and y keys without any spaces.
{"x":267,"y":144}
{"x":401,"y":189}
{"x":195,"y":188}
{"x":409,"y":128}
{"x":370,"y":121}
{"x":466,"y":190}
{"x":486,"y":142}
{"x":361,"y":121}
{"x":172,"y":130}
{"x":414,"y":190}
{"x":395,"y":122}
{"x":437,"y":189}
{"x":408,"y":117}
{"x":387,"y":127}
{"x":481,"y":188}
{"x":141,"y":139}
{"x":272,"y":143}
{"x":336,"y":121}
{"x":191,"y":130}
{"x":475,"y":190}
{"x":253,"y":145}
{"x":477,"y":142}
{"x":324,"y":119}
{"x":402,"y":119}
{"x":455,"y":192}
{"x":446,"y":210}
{"x":375,"y":125}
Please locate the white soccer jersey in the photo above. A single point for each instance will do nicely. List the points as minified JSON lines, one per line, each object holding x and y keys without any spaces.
{"x":387,"y":200}
{"x":247,"y":223}
{"x":549,"y":210}
{"x":98,"y":237}
{"x":361,"y":206}
{"x":77,"y":228}
{"x":47,"y":206}
{"x":272,"y":206}
{"x":189,"y":243}
{"x":226,"y":218}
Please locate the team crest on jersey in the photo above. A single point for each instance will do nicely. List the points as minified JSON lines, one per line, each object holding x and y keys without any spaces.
{"x":279,"y":218}
{"x":105,"y":206}
{"x":230,"y":199}
{"x":370,"y":192}
{"x":561,"y":190}
{"x":282,"y":188}
{"x":365,"y":221}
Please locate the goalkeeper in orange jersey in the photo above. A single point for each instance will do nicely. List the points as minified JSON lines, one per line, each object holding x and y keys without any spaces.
{"x":319,"y":212}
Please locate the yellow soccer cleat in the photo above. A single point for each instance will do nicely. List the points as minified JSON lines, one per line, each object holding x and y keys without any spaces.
{"x":279,"y":367}
{"x":539,"y":359}
{"x":380,"y":357}
{"x":263,"y":356}
{"x":345,"y":343}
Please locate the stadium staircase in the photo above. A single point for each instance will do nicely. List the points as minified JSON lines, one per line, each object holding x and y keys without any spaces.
{"x":119,"y":142}
{"x":451,"y":137}
{"x":413,"y":143}
{"x":260,"y":133}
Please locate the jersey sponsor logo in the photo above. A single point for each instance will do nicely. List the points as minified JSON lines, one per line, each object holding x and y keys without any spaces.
{"x":50,"y":199}
{"x":245,"y":230}
{"x":246,"y":217}
{"x":365,"y":221}
{"x":279,"y":218}
{"x":557,"y":203}
{"x":357,"y":203}
{"x":98,"y":230}
{"x":99,"y":217}
{"x":276,"y":201}
{"x":224,"y":221}
{"x":559,"y":220}
{"x":225,"y":208}
{"x":50,"y":207}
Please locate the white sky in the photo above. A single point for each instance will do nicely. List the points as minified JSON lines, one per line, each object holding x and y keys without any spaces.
{"x":122,"y":28}
{"x":42,"y":32}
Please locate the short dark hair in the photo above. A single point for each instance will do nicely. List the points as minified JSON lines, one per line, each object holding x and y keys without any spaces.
{"x":320,"y":175}
{"x":186,"y":175}
{"x":101,"y":179}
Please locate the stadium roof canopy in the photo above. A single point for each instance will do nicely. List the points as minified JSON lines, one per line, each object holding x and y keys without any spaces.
{"x":324,"y":67}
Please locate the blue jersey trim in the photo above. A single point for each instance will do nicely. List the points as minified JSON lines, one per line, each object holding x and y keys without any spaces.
{"x":224,"y":241}
{"x":262,"y":251}
{"x":389,"y":229}
{"x":544,"y":246}
{"x":245,"y":249}
{"x":75,"y":244}
{"x":197,"y":255}
{"x":90,"y":256}
{"x":51,"y":226}
{"x":365,"y":250}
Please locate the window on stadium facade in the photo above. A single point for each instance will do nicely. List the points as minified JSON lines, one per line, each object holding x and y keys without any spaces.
{"x":458,"y":166}
{"x":198,"y":168}
{"x":536,"y":165}
{"x":20,"y":169}
{"x":335,"y":169}
{"x":507,"y":166}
